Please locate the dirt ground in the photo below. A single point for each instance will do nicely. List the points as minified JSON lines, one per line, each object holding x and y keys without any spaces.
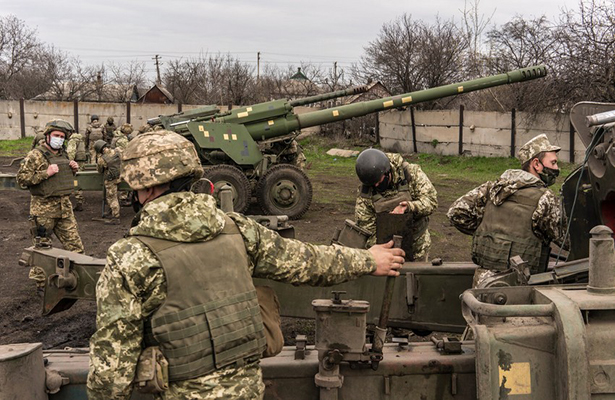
{"x":20,"y":306}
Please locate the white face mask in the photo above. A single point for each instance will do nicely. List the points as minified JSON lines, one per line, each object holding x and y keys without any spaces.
{"x":56,"y":142}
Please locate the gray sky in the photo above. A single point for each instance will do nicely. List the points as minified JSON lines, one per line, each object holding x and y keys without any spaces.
{"x":285,"y":32}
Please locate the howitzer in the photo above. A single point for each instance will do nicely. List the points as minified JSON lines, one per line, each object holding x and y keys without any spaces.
{"x":530,"y":343}
{"x":248,"y":147}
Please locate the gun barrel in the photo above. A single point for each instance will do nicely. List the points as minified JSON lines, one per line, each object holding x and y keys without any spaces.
{"x":359,"y":109}
{"x":328,"y":96}
{"x":600,"y":119}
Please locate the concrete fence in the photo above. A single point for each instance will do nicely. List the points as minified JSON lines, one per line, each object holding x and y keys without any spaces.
{"x":476,"y":133}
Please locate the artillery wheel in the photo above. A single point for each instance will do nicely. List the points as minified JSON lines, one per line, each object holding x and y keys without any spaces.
{"x":221,"y":175}
{"x":284,"y":189}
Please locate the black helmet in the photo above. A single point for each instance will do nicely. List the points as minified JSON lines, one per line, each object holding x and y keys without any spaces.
{"x":94,"y":117}
{"x":371,"y":165}
{"x":59,"y":125}
{"x":99,"y":145}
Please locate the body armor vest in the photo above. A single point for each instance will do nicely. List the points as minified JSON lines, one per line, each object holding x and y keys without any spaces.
{"x":96,"y":133}
{"x":113,"y":161}
{"x":506,"y":231}
{"x":80,"y":153}
{"x":60,"y":184}
{"x":387,"y":204}
{"x":210,"y":318}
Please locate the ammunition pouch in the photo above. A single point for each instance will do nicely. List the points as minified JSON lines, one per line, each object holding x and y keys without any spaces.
{"x":152,"y":375}
{"x":351,"y":235}
{"x":270,"y":313}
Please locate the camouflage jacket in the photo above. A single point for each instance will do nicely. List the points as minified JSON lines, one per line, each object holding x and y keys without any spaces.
{"x":132,"y":286}
{"x":88,"y":131}
{"x":32,"y":171}
{"x":466,"y":213}
{"x":120,"y":140}
{"x":71,"y":146}
{"x":424,"y":203}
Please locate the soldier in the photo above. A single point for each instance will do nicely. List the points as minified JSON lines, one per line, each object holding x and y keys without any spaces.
{"x":39,"y":137}
{"x":109,"y":165}
{"x":515,"y":215}
{"x":149,"y":292}
{"x":75,"y":149}
{"x":392,"y":185}
{"x":48,"y":174}
{"x":120,"y":137}
{"x":110,"y":128}
{"x":93,"y":132}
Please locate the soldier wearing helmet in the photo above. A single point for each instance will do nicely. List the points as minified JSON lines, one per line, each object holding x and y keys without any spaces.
{"x":120,"y":137}
{"x":184,"y":254}
{"x":93,"y":132}
{"x":392,"y":185}
{"x":76,"y":150}
{"x":49,"y":175}
{"x":110,"y":129}
{"x":514,"y":215}
{"x":108,"y":164}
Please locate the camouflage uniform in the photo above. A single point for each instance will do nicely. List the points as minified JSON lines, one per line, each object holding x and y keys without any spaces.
{"x":95,"y":125}
{"x":120,"y":137}
{"x":424,"y":201}
{"x":467,"y":212}
{"x":110,"y":128}
{"x":55,"y":214}
{"x":71,"y":151}
{"x":110,"y":181}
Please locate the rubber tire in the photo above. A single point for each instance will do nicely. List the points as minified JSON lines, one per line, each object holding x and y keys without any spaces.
{"x":222,"y":174}
{"x":274,"y":177}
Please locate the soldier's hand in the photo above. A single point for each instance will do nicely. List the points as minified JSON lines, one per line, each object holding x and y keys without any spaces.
{"x":388,"y":259}
{"x":73,"y":164}
{"x":401,"y":208}
{"x":52,"y":169}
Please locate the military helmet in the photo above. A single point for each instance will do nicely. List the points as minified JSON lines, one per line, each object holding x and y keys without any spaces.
{"x":371,"y":165}
{"x":58,"y":125}
{"x":126,"y":129}
{"x":159,"y":157}
{"x":99,"y":145}
{"x":93,"y":118}
{"x":110,"y":120}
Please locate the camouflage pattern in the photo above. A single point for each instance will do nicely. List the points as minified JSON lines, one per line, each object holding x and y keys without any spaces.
{"x":536,"y":145}
{"x":158,"y":157}
{"x":71,"y":150}
{"x":120,"y":140}
{"x":38,"y":140}
{"x":424,"y":202}
{"x":132,"y":286}
{"x":109,"y":129}
{"x":111,"y":195}
{"x":90,"y":143}
{"x":467,"y":212}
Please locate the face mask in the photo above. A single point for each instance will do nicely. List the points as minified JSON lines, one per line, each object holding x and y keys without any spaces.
{"x":548,"y":175}
{"x":134,"y":201}
{"x":384,"y":185}
{"x":56,"y":142}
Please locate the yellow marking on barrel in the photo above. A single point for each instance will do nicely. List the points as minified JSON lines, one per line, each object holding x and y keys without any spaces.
{"x":226,"y":136}
{"x":234,"y":137}
{"x":242,"y":114}
{"x":336,"y":113}
{"x":518,"y":378}
{"x":206,"y":133}
{"x":387,"y":103}
{"x":249,"y":109}
{"x":76,"y":182}
{"x":270,"y":122}
{"x":460,"y":89}
{"x":405,"y":100}
{"x":201,"y":128}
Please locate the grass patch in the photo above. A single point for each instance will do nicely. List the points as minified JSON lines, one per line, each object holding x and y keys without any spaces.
{"x":15,"y":148}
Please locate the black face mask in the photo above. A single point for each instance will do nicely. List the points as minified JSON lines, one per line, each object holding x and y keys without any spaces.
{"x":548,"y":175}
{"x":134,"y":202}
{"x":384,"y":185}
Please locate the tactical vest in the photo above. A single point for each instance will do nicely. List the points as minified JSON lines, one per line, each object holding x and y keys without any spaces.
{"x":60,"y":184}
{"x":113,"y":161}
{"x":96,"y":133}
{"x":506,"y":231}
{"x":211,"y":317}
{"x":80,"y":153}
{"x":387,"y":204}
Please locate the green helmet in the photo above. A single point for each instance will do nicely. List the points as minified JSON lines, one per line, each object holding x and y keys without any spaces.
{"x":58,"y":125}
{"x":93,"y":118}
{"x":371,"y":165}
{"x":99,"y":145}
{"x":159,"y":157}
{"x":110,"y":120}
{"x":126,"y":129}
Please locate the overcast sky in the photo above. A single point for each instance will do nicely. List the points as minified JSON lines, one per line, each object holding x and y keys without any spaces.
{"x":285,"y":32}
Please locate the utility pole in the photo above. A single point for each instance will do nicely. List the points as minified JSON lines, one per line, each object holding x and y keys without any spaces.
{"x":335,"y":75}
{"x":258,"y":66}
{"x":157,"y":57}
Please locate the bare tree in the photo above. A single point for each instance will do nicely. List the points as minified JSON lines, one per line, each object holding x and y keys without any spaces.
{"x":122,"y":78}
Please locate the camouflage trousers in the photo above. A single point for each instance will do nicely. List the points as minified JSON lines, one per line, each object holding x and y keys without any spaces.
{"x":245,"y":383}
{"x":79,"y":199}
{"x":92,"y":153}
{"x":66,"y":231}
{"x":111,"y":197}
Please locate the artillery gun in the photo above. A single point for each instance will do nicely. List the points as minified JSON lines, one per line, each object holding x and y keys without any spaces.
{"x":530,"y":343}
{"x":245,"y":147}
